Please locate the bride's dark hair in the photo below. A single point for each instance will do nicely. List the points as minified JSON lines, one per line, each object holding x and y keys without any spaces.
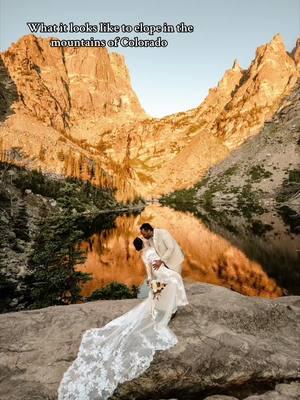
{"x":138,"y":243}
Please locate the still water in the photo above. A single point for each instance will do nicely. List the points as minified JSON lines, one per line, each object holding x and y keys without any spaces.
{"x":208,"y":257}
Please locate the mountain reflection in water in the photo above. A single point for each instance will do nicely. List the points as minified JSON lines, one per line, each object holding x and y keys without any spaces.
{"x":208,"y":257}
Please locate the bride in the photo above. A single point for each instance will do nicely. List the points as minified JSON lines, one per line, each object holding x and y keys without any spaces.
{"x":124,"y":348}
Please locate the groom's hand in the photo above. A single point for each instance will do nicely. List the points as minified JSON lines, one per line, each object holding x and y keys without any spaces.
{"x":157,"y":264}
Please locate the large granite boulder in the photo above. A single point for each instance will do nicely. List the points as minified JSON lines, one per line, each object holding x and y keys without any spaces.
{"x":229,"y":346}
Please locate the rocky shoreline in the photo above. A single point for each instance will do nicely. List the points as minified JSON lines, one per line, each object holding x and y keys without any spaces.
{"x":228,"y":345}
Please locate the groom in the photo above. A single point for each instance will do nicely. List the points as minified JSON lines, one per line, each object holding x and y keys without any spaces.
{"x":165,"y":246}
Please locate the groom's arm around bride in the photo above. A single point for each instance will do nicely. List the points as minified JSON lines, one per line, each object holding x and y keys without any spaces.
{"x":165,"y":245}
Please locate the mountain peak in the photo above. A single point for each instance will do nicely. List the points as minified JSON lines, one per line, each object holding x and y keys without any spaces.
{"x":62,"y":85}
{"x":296,"y":53}
{"x":275,"y":47}
{"x":277,"y":39}
{"x":236,"y":65}
{"x":88,"y":90}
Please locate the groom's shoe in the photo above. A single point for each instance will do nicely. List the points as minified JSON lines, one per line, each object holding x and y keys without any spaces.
{"x":173,"y":315}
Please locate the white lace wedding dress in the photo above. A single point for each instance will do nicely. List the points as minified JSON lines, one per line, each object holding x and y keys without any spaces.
{"x":124,"y":348}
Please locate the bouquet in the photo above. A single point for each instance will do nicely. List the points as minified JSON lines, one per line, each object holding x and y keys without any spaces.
{"x":157,"y":287}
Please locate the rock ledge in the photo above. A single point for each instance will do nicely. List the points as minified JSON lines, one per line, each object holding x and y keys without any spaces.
{"x":229,"y":345}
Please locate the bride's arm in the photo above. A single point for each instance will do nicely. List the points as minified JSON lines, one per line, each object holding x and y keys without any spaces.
{"x":149,"y":271}
{"x":148,"y":268}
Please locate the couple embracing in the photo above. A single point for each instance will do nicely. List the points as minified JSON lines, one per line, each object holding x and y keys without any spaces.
{"x":163,"y":259}
{"x":124,"y":348}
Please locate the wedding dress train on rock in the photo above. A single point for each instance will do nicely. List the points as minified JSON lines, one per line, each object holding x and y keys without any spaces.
{"x":124,"y":348}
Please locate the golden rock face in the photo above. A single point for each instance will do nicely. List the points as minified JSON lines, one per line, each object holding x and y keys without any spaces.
{"x":78,"y":104}
{"x":61,"y":86}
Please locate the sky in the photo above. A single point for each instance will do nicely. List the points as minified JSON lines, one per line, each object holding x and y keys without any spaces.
{"x":177,"y":77}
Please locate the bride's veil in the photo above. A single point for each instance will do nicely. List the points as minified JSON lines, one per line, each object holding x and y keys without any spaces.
{"x":121,"y":350}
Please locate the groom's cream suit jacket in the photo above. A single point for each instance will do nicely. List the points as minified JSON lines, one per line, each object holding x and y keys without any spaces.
{"x":168,"y":249}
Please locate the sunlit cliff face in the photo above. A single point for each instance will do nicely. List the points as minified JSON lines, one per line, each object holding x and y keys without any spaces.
{"x":78,"y":103}
{"x":208,"y":257}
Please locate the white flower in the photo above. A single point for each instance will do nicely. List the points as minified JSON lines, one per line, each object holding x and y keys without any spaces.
{"x":154,"y":285}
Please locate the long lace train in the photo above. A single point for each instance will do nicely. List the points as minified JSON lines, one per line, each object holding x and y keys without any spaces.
{"x":124,"y":348}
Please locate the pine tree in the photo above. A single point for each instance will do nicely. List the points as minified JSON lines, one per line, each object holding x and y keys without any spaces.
{"x":1,"y":149}
{"x":61,"y":155}
{"x":85,"y":170}
{"x":80,"y":163}
{"x":69,"y":164}
{"x":77,"y":171}
{"x":7,"y":286}
{"x":21,"y":223}
{"x":72,"y":165}
{"x":55,"y":254}
{"x":42,"y":153}
{"x":97,"y":179}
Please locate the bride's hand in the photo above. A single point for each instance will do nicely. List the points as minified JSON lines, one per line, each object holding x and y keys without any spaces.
{"x":157,"y":264}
